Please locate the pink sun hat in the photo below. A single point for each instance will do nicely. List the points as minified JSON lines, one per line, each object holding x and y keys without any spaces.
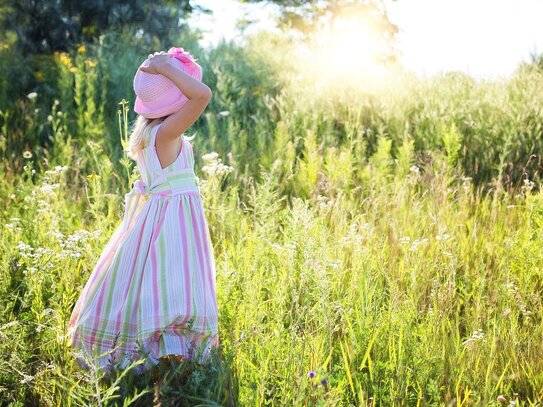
{"x":158,"y":96}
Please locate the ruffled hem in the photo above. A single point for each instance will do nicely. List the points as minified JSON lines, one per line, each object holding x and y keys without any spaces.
{"x":173,"y":340}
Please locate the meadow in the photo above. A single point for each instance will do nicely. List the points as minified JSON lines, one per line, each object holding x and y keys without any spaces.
{"x":373,"y":247}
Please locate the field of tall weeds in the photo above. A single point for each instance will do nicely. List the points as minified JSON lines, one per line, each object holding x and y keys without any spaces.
{"x":372,"y":248}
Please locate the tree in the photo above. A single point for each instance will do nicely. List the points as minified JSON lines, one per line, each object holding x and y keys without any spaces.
{"x":44,"y":26}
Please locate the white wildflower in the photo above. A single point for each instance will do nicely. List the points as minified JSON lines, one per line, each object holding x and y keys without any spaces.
{"x":213,"y":165}
{"x":48,"y":189}
{"x":26,"y":378}
{"x":56,"y":234}
{"x":42,"y":251}
{"x":416,"y":243}
{"x":32,"y":95}
{"x":210,"y":157}
{"x":528,"y":186}
{"x":443,"y":236}
{"x":334,"y":263}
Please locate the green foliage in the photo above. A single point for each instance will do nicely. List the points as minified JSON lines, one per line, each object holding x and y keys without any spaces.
{"x":48,"y":26}
{"x":354,"y":237}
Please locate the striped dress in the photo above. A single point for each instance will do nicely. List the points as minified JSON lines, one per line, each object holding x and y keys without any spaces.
{"x":152,"y":292}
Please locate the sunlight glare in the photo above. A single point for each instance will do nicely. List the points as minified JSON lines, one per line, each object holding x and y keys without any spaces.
{"x":344,"y":56}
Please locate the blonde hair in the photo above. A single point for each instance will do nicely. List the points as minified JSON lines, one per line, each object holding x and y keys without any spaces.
{"x":140,"y":129}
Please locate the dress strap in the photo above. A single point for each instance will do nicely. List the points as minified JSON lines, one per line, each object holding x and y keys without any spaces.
{"x":152,"y":135}
{"x":189,"y":155}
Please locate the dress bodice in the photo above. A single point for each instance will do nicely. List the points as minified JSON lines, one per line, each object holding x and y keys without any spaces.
{"x":156,"y":182}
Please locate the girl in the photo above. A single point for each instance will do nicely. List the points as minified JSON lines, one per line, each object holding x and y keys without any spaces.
{"x":152,"y":293}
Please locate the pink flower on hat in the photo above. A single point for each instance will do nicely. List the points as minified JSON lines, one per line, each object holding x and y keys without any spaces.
{"x":181,"y":54}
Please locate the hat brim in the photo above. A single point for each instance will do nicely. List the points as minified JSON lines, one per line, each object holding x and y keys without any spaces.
{"x":141,"y":109}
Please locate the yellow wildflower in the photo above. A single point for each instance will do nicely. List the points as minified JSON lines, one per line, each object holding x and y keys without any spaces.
{"x":73,"y":69}
{"x":81,"y":48}
{"x":65,"y":59}
{"x":90,"y":63}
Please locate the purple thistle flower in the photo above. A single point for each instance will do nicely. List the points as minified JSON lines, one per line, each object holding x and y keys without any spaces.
{"x":324,"y":382}
{"x":311,"y":374}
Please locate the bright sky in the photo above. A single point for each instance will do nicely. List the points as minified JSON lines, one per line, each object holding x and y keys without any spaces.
{"x":484,"y":38}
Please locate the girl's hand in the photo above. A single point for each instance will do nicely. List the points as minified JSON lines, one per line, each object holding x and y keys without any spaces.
{"x":156,"y":62}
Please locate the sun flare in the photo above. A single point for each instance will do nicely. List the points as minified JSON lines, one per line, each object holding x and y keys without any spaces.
{"x":345,"y":54}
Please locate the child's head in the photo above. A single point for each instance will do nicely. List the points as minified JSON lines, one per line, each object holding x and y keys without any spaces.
{"x":156,"y":95}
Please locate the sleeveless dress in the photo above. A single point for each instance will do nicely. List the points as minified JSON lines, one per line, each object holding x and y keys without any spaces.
{"x":152,"y":292}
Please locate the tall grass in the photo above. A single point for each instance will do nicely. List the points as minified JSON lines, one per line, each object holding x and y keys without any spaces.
{"x":389,"y":244}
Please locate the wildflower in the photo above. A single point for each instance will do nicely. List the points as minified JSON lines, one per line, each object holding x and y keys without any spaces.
{"x":213,"y":165}
{"x":32,"y":95}
{"x":58,"y":169}
{"x":478,"y":334}
{"x":65,"y":59}
{"x":56,"y":102}
{"x":334,"y":263}
{"x":49,"y":118}
{"x":416,"y":243}
{"x":501,"y":399}
{"x":81,"y":48}
{"x":209,"y":157}
{"x":48,"y":189}
{"x":324,"y":382}
{"x":26,"y":378}
{"x":528,"y":186}
{"x":444,"y":236}
{"x":311,"y":374}
{"x":27,"y":154}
